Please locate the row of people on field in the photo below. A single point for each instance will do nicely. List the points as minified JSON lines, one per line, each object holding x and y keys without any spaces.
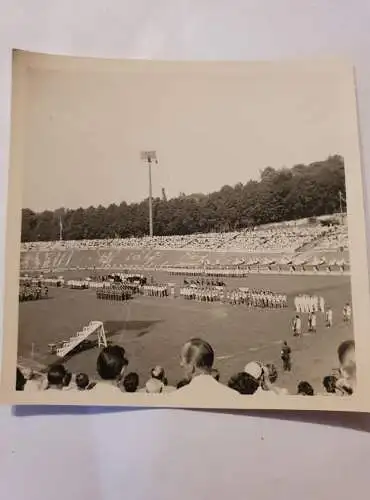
{"x":252,"y":298}
{"x":32,"y":292}
{"x":115,"y":294}
{"x":199,"y":375}
{"x":201,"y":282}
{"x":155,"y":290}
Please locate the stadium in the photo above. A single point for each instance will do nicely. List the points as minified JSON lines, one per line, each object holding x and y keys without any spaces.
{"x":306,"y":256}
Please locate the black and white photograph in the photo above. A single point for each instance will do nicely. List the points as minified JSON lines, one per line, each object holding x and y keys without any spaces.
{"x":185,"y":231}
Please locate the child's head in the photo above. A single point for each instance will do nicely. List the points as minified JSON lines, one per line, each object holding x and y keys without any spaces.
{"x":82,"y":381}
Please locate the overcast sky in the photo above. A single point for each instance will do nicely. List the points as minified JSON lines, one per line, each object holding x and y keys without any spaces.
{"x":86,"y":126}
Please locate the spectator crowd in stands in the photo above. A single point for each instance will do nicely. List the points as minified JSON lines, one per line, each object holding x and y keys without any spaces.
{"x":260,"y":240}
{"x":200,"y":378}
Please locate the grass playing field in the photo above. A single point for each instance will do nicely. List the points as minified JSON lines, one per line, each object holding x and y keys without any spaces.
{"x":152,"y":330}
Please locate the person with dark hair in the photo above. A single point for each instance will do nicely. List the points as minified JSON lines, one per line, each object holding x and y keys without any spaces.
{"x":130,"y":382}
{"x":182,"y":383}
{"x":20,"y":381}
{"x":56,"y":377}
{"x":243,"y":383}
{"x":67,"y":381}
{"x":305,"y":389}
{"x":197,"y":357}
{"x":269,"y":380}
{"x":272,"y":373}
{"x":286,"y":357}
{"x":82,"y":381}
{"x":158,"y":373}
{"x":215,"y":374}
{"x":347,"y":367}
{"x":330,"y":383}
{"x":110,"y":365}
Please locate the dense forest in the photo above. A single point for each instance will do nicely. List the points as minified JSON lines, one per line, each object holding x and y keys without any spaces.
{"x":283,"y":194}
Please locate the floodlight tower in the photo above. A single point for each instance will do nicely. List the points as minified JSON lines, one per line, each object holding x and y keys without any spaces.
{"x":149,"y":157}
{"x":341,"y":201}
{"x":60,"y":228}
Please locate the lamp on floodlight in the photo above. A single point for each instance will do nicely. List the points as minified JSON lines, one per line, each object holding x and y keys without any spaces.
{"x":150,"y":157}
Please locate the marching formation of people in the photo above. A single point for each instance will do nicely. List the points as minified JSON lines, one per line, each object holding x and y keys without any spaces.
{"x":199,"y":375}
{"x":155,"y":290}
{"x":42,"y":281}
{"x":114,"y":293}
{"x":240,"y":296}
{"x":32,"y":292}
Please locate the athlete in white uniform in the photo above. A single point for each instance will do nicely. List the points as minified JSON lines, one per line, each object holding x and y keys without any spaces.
{"x":322,"y":304}
{"x":329,"y":317}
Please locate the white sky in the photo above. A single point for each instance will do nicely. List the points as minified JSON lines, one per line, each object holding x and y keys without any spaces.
{"x":211,"y":125}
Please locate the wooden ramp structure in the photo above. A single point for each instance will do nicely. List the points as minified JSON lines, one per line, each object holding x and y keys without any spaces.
{"x":94,"y":327}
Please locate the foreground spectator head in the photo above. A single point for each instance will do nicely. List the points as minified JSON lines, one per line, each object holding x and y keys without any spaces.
{"x":57,"y":376}
{"x":158,"y":373}
{"x":243,"y":383}
{"x":255,"y":370}
{"x":67,"y":379}
{"x":182,"y":383}
{"x":305,"y":389}
{"x":131,"y":382}
{"x":111,"y":362}
{"x":28,"y":373}
{"x":20,"y":381}
{"x":82,"y":381}
{"x":330,"y":382}
{"x":197,"y":356}
{"x":154,"y":386}
{"x":347,"y":359}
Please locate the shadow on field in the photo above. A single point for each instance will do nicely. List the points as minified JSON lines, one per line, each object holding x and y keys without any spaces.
{"x":113,"y":328}
{"x":349,"y":420}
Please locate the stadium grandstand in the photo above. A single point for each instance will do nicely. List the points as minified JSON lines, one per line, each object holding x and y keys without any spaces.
{"x":271,"y":247}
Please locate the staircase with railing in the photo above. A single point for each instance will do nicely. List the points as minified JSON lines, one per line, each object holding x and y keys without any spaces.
{"x":75,"y":340}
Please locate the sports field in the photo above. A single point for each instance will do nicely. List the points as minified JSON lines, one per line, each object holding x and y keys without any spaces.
{"x":152,"y":330}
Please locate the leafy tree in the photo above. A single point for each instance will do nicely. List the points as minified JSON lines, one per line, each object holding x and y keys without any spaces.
{"x":280,"y":194}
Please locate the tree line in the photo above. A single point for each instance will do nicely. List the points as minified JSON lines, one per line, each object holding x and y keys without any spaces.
{"x":280,"y":194}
